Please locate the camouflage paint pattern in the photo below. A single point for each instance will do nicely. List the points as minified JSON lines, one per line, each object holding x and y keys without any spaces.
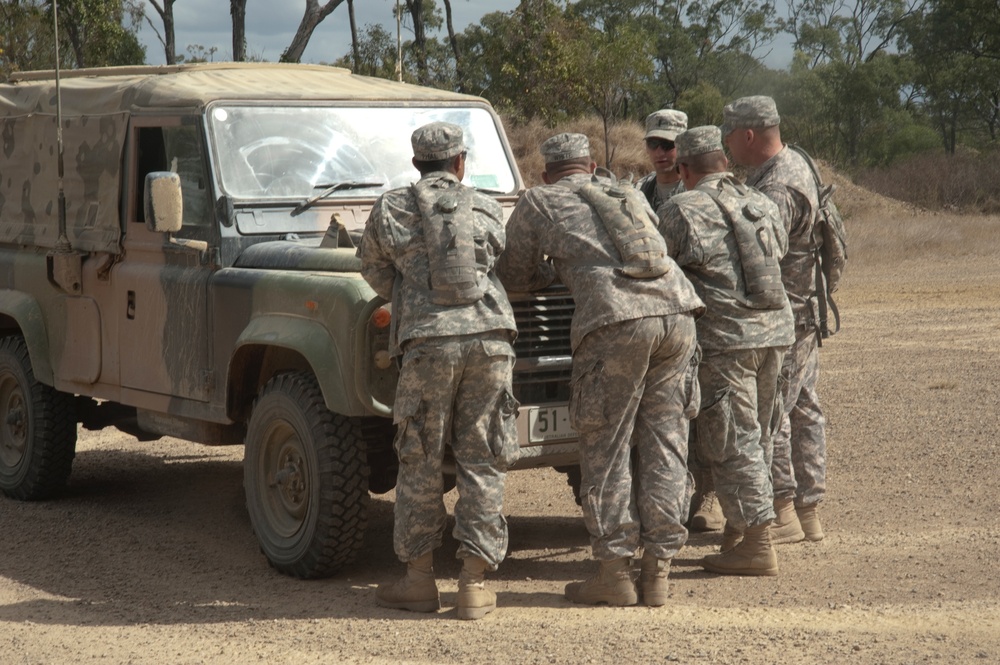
{"x":454,"y":391}
{"x":702,"y":242}
{"x":634,"y":391}
{"x":554,"y":232}
{"x":740,"y":411}
{"x":799,"y":467}
{"x":394,"y":262}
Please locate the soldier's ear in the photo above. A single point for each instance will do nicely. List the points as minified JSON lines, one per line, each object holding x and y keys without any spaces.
{"x":545,"y":178}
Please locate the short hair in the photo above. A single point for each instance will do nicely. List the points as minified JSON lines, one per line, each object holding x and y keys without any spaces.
{"x":425,"y":167}
{"x":564,"y":164}
{"x":706,"y":162}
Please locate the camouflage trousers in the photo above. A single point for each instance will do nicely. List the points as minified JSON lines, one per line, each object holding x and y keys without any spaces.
{"x":454,"y":391}
{"x":740,"y":412}
{"x":799,"y":467}
{"x":635,"y":386}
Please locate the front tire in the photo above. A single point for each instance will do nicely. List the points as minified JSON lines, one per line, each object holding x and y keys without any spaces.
{"x":306,"y":479}
{"x":37,"y":428}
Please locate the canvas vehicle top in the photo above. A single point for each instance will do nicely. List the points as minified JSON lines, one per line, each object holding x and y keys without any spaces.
{"x":202,"y":281}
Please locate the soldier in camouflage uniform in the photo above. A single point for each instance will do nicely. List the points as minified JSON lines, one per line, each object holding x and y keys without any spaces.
{"x":662,"y":128}
{"x":743,"y":335}
{"x":752,"y":134}
{"x":455,"y":378}
{"x":634,"y":383}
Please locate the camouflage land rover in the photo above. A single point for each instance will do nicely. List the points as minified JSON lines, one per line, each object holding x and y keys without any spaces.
{"x":187,"y":269}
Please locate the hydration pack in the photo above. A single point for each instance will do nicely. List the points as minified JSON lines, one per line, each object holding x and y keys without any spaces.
{"x":829,"y":239}
{"x":757,"y":246}
{"x":621,"y":209}
{"x":446,"y":213}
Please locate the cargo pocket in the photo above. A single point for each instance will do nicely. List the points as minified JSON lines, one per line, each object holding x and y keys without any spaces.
{"x":408,"y":415}
{"x":502,"y":434}
{"x":716,"y":429}
{"x":588,"y":399}
{"x":692,"y":387}
{"x":778,"y":410}
{"x":503,"y":431}
{"x":592,"y":516}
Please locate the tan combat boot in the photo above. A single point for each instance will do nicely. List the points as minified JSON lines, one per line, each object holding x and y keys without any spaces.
{"x":416,"y":591}
{"x":707,"y":513}
{"x":786,"y":527}
{"x":474,"y":600}
{"x":731,"y":537}
{"x":753,"y":556}
{"x":612,"y":585}
{"x":809,"y":519}
{"x":653,"y":583}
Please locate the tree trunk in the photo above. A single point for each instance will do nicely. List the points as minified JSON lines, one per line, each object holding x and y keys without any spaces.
{"x":416,"y":10}
{"x":355,"y":47}
{"x":166,"y":13}
{"x":238,"y":9}
{"x":313,"y":16}
{"x":459,"y":74}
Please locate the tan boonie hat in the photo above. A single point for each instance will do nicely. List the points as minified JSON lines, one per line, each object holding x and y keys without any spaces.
{"x":698,"y":141}
{"x":665,"y":124}
{"x":749,"y":113}
{"x":565,"y":146}
{"x":437,"y":140}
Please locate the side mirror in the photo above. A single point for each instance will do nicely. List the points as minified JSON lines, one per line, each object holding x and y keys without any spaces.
{"x":162,"y":202}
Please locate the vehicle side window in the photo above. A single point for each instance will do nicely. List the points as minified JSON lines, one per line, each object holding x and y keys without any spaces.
{"x":179,"y":149}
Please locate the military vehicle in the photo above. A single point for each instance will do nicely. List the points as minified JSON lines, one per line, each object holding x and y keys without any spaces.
{"x":177,"y":259}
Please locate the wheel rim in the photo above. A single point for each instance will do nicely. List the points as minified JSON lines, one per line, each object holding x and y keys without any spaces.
{"x":284,"y":469}
{"x":13,"y":421}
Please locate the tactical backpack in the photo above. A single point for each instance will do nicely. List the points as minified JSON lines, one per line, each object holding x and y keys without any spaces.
{"x":829,"y":241}
{"x":757,"y":247}
{"x":622,"y":211}
{"x":446,"y":212}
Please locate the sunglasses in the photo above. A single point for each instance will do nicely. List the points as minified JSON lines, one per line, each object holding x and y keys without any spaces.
{"x":665,"y":146}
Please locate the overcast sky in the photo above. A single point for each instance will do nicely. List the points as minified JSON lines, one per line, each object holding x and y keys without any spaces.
{"x":271,"y":24}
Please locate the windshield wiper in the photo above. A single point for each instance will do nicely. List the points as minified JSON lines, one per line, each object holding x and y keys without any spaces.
{"x":330,"y":189}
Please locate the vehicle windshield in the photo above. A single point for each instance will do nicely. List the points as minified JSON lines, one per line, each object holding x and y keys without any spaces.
{"x":295,"y":152}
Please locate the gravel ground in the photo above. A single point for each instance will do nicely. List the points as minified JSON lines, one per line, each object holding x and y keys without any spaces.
{"x":149,"y":556}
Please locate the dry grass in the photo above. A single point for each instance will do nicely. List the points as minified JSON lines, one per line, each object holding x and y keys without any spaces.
{"x":966,"y":181}
{"x":628,"y":156}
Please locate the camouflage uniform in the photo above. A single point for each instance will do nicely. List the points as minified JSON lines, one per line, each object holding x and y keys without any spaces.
{"x":634,"y":382}
{"x":799,"y":468}
{"x":663,"y":124}
{"x":455,"y":378}
{"x":742,"y":347}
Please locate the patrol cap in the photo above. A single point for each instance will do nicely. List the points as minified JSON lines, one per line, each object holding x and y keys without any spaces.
{"x":665,"y":124}
{"x":751,"y":112}
{"x":698,"y":141}
{"x":565,"y":146}
{"x":437,"y":140}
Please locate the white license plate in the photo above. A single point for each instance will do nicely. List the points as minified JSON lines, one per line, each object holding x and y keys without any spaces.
{"x":549,"y":423}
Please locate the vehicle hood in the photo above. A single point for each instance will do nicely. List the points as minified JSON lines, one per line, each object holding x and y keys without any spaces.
{"x":286,"y":255}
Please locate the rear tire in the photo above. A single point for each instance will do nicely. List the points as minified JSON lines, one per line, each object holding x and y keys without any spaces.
{"x":37,"y":428}
{"x":306,"y":479}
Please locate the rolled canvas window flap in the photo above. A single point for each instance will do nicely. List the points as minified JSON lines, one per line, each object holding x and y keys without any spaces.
{"x":29,"y":180}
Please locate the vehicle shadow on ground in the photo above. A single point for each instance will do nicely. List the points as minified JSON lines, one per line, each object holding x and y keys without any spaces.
{"x":139,"y":538}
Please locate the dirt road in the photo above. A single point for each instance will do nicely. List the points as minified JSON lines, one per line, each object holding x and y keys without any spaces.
{"x":149,"y":557}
